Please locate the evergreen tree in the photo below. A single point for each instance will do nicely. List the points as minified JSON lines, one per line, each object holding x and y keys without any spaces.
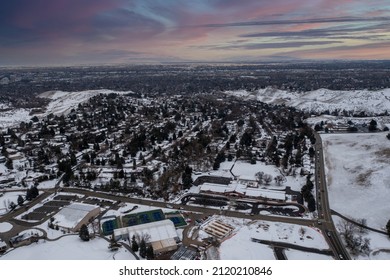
{"x":311,"y":203}
{"x":134,"y":244}
{"x":9,"y":164}
{"x":73,"y":159}
{"x":20,"y":200}
{"x":373,"y":125}
{"x":149,"y":252}
{"x":84,"y":233}
{"x":216,"y":165}
{"x":388,"y":228}
{"x":28,"y":195}
{"x":133,"y":179}
{"x":142,"y":248}
{"x":187,"y":177}
{"x":34,"y":192}
{"x":12,"y":205}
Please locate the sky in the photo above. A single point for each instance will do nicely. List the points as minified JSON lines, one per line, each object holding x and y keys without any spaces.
{"x":74,"y":32}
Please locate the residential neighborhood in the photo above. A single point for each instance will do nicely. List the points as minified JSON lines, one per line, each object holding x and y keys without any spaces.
{"x":186,"y":174}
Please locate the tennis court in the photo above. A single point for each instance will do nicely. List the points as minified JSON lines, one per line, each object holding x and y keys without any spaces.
{"x":109,"y":226}
{"x":143,"y":217}
{"x":178,"y":221}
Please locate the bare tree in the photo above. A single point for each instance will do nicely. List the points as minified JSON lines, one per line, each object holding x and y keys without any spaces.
{"x":267,"y":178}
{"x":259,"y":176}
{"x":353,"y":238}
{"x":279,"y":180}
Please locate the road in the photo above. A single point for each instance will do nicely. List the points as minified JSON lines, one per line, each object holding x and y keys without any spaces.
{"x":283,"y":245}
{"x":325,"y":222}
{"x":256,"y":205}
{"x":190,"y":208}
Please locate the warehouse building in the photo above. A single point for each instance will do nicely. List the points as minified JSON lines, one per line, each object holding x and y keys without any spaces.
{"x":73,"y":216}
{"x":162,"y":235}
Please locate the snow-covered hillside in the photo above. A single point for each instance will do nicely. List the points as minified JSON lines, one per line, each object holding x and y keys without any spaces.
{"x":63,"y":102}
{"x":322,"y":100}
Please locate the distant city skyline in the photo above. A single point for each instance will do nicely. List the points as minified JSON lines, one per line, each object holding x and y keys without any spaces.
{"x":74,"y":32}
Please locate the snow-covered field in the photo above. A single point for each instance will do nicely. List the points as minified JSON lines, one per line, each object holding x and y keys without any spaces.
{"x":358,"y":180}
{"x":248,"y":171}
{"x":358,"y":175}
{"x":321,"y":100}
{"x":68,"y":248}
{"x":240,"y":246}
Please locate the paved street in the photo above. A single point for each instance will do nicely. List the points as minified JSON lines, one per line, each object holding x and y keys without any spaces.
{"x":325,"y":222}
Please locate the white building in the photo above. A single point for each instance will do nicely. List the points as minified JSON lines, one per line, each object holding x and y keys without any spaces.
{"x":73,"y":216}
{"x":162,"y":234}
{"x":239,"y":189}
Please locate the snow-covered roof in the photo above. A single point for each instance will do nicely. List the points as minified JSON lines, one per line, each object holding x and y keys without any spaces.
{"x":216,"y":188}
{"x":160,"y":230}
{"x":71,"y":215}
{"x":247,"y":178}
{"x":243,"y":189}
{"x":279,"y":195}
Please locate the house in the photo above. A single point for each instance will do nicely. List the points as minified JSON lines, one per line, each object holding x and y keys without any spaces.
{"x":25,"y":238}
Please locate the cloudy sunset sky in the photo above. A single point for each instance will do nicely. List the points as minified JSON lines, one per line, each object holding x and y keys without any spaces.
{"x":57,"y":32}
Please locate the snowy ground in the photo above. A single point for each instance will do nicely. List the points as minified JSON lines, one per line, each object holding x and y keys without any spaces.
{"x":379,"y":244}
{"x":239,"y":245}
{"x":4,"y":227}
{"x":292,"y":254}
{"x":358,"y":175}
{"x":7,"y":198}
{"x":68,"y":248}
{"x":248,"y":171}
